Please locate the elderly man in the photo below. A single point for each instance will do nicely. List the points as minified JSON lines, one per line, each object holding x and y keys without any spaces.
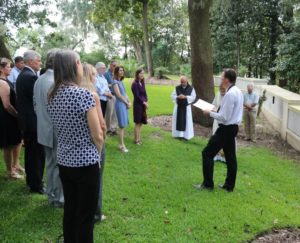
{"x":16,"y":70}
{"x":45,"y":132}
{"x":34,"y":152}
{"x":250,"y":103}
{"x":102,"y":87}
{"x":182,"y":120}
{"x":111,"y":116}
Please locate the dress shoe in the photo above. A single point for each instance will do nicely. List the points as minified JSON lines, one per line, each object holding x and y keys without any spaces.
{"x":224,"y":187}
{"x":201,"y":187}
{"x":38,"y":191}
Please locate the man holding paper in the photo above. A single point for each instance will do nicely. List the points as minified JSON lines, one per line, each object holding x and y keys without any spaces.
{"x":229,"y":117}
{"x":182,"y":120}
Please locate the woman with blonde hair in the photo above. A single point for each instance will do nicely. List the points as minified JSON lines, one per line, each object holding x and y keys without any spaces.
{"x":88,"y":82}
{"x":10,"y":134}
{"x":80,"y":138}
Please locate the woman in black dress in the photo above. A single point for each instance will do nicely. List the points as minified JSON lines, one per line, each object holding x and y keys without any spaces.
{"x":10,"y":135}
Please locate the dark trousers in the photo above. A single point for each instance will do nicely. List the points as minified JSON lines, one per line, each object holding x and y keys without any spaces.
{"x":34,"y":161}
{"x":80,"y":186}
{"x":102,"y":162}
{"x":224,"y":138}
{"x":103,"y":107}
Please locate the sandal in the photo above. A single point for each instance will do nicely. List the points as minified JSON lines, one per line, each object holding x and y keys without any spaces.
{"x":20,"y":170}
{"x":14,"y":175}
{"x":123,"y":149}
{"x":138,"y":142}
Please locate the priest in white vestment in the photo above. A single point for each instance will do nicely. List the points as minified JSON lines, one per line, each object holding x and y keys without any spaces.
{"x":182,"y":121}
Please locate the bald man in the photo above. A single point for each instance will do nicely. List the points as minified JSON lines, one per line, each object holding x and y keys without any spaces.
{"x":182,"y":122}
{"x":250,"y":103}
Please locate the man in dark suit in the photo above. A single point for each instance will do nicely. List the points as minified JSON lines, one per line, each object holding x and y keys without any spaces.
{"x":34,"y":152}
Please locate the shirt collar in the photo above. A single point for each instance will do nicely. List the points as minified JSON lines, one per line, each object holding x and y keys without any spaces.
{"x":31,"y":69}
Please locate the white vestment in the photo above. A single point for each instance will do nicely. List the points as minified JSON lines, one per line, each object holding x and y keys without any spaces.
{"x":189,"y":130}
{"x":217,"y":103}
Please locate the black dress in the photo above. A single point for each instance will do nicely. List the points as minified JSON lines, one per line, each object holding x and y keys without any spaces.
{"x":10,"y":133}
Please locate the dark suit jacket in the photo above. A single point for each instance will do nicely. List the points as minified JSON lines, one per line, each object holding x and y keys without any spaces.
{"x":24,"y":86}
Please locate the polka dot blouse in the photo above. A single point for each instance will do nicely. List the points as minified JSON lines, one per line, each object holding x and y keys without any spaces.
{"x":68,"y":109}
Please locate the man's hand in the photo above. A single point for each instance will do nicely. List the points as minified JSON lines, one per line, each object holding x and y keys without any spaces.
{"x":181,"y":97}
{"x":206,"y":112}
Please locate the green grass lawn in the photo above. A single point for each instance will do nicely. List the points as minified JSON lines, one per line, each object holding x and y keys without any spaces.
{"x":148,"y":194}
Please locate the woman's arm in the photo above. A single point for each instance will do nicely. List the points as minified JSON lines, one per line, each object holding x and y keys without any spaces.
{"x":95,"y":128}
{"x":5,"y":97}
{"x":118,"y":94}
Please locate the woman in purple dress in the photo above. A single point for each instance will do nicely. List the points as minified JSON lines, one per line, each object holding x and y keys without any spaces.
{"x":140,"y":104}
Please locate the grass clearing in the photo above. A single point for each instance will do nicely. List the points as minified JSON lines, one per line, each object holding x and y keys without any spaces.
{"x":148,"y":193}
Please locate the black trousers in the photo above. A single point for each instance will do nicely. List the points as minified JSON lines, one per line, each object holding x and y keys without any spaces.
{"x":81,"y":186}
{"x":224,"y":138}
{"x":34,"y":161}
{"x":103,"y":107}
{"x":102,"y":162}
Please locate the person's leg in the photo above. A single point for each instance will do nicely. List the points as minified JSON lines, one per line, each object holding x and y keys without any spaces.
{"x":246,"y":124}
{"x":16,"y":158}
{"x":252,"y":118}
{"x":87,"y":198}
{"x":28,"y":157}
{"x":230,"y":156}
{"x":49,"y":171}
{"x":8,"y":159}
{"x":139,"y":132}
{"x":114,"y":120}
{"x":99,"y":207}
{"x":67,"y":176}
{"x":108,"y":114}
{"x":209,"y":152}
{"x":39,"y":162}
{"x":121,"y":137}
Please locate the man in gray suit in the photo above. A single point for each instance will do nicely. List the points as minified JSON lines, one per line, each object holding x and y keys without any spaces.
{"x":46,"y":135}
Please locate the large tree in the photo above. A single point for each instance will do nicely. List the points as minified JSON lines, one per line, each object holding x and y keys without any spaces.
{"x":201,"y":54}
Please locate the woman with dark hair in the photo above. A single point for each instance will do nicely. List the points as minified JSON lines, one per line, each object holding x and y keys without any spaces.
{"x":122,"y":104}
{"x":140,"y":104}
{"x":10,"y":134}
{"x":80,"y":137}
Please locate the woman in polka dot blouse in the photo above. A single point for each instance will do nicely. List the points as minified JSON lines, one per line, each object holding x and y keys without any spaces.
{"x":80,"y":138}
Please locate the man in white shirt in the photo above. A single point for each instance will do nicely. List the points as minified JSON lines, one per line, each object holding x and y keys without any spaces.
{"x":102,"y":87}
{"x":19,"y":65}
{"x":250,"y":103}
{"x":229,"y":117}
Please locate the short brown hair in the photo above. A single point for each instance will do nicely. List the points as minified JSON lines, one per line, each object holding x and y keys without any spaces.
{"x":230,"y":74}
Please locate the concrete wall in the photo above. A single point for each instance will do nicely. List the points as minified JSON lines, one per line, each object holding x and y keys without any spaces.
{"x":282,"y":109}
{"x":243,"y":82}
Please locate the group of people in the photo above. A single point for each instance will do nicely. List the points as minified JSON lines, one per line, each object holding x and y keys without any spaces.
{"x":61,"y":114}
{"x":230,"y":106}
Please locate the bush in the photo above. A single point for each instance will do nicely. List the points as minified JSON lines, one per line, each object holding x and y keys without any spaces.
{"x":243,"y":71}
{"x":161,"y":72}
{"x":185,"y":69}
{"x":94,"y":57}
{"x":130,"y":66}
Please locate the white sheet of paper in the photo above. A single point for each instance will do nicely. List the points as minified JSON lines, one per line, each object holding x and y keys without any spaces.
{"x":203,"y":105}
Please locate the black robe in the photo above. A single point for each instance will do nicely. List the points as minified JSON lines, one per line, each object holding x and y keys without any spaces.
{"x":181,"y":106}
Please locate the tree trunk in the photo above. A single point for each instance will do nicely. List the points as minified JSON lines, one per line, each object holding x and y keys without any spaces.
{"x":201,"y":55}
{"x":138,"y":51}
{"x":146,"y":39}
{"x":4,"y":52}
{"x":273,"y":50}
{"x":238,"y":50}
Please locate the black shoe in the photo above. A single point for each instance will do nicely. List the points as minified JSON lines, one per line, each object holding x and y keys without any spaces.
{"x":201,"y":187}
{"x":41,"y":191}
{"x":226,"y":188}
{"x":97,"y":218}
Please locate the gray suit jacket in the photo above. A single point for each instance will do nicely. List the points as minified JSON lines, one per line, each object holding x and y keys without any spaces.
{"x":45,"y":129}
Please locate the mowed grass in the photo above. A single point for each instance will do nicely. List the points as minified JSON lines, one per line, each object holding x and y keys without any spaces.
{"x":148,"y":194}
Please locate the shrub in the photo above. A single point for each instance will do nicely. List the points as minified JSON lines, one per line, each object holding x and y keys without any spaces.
{"x":130,"y":66}
{"x":160,"y":72}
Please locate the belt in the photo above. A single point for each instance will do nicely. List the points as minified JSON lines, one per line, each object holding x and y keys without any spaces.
{"x":232,"y":125}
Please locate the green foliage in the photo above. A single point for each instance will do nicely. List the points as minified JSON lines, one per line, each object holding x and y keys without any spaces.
{"x":161,"y":72}
{"x":148,"y":193}
{"x":130,"y":66}
{"x":94,"y":57}
{"x":288,"y":61}
{"x":243,"y":71}
{"x":185,"y":69}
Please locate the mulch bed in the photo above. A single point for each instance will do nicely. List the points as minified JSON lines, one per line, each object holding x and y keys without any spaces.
{"x":279,"y":236}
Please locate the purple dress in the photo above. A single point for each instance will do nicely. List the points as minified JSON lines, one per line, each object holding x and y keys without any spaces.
{"x":140,"y":96}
